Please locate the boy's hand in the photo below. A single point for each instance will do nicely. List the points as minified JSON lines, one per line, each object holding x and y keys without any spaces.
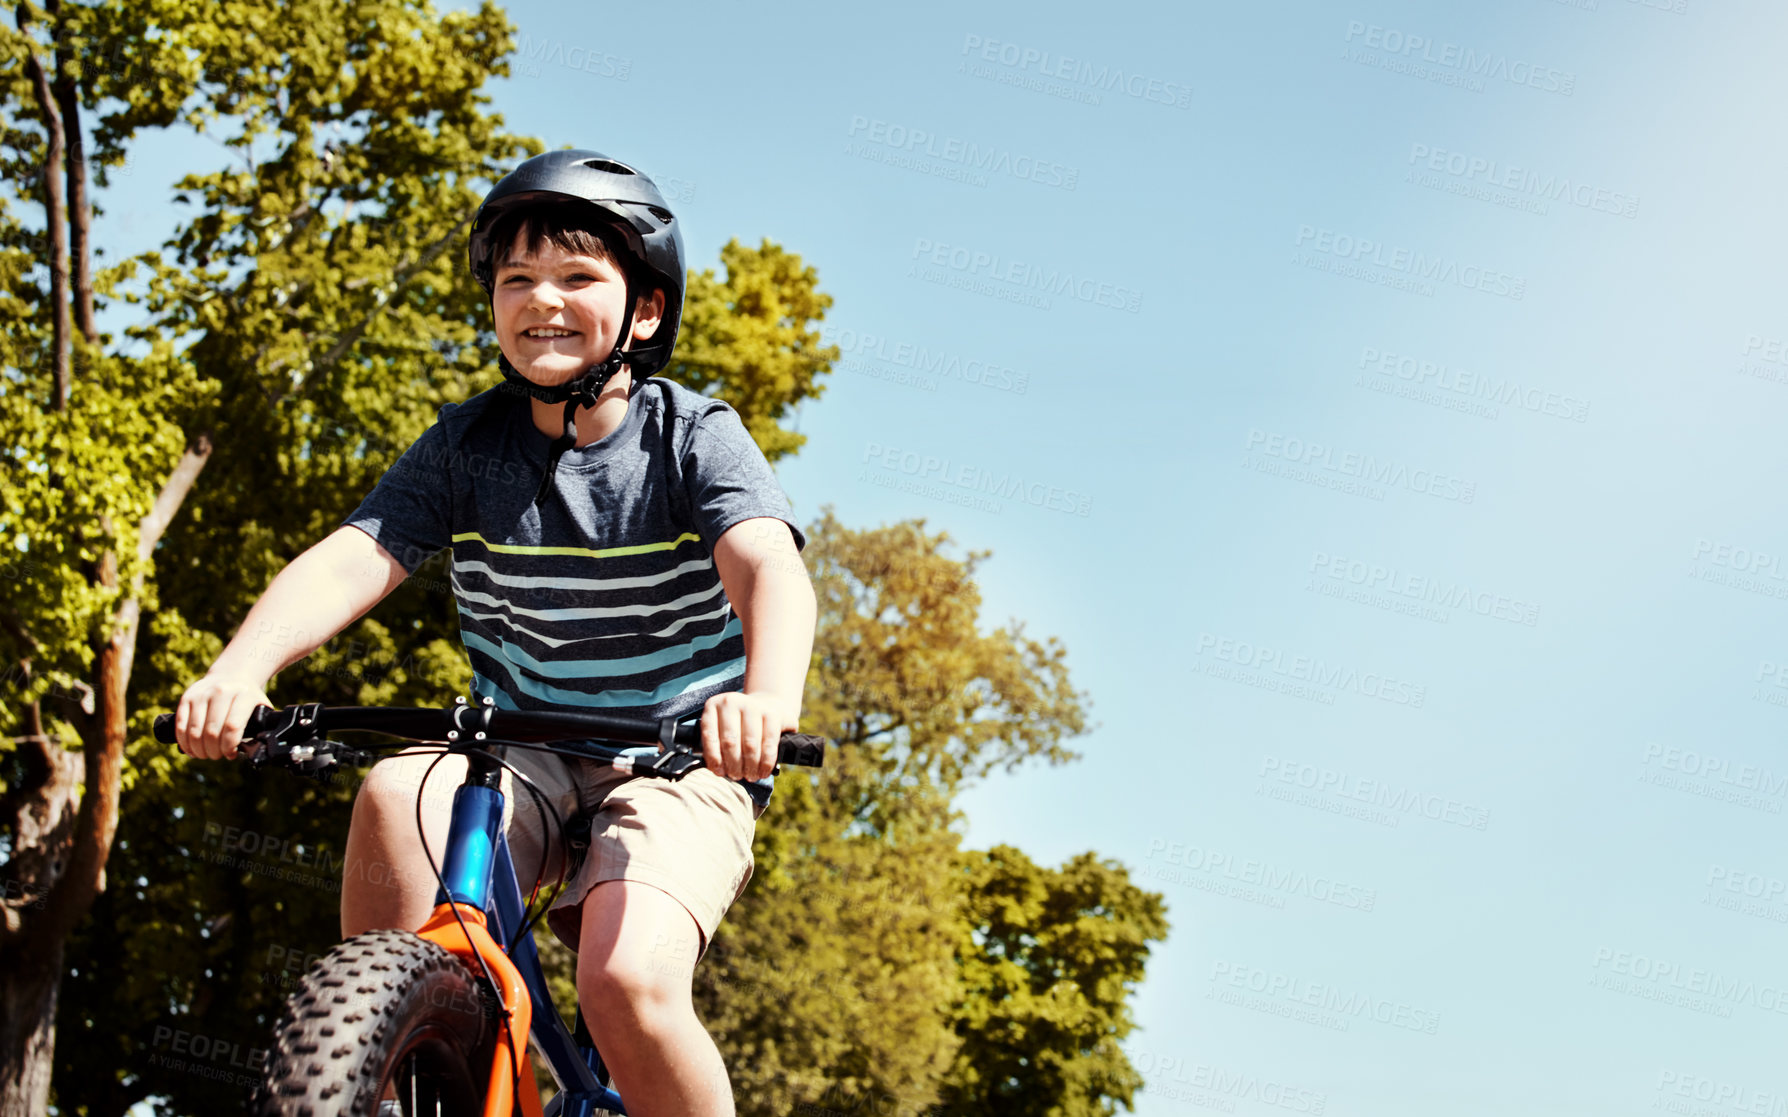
{"x":741,"y":734}
{"x":213,"y":713}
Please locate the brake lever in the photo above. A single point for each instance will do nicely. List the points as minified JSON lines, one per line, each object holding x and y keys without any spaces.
{"x":289,"y":738}
{"x":672,"y":763}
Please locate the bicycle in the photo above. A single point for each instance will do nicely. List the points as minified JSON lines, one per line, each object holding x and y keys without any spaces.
{"x":442,"y":1015}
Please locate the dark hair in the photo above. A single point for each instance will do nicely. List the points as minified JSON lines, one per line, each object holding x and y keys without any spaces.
{"x":567,"y":226}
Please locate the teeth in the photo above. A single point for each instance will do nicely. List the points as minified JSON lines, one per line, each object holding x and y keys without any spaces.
{"x":549,"y":333}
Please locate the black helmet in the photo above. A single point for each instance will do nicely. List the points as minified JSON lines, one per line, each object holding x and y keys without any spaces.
{"x":629,"y":204}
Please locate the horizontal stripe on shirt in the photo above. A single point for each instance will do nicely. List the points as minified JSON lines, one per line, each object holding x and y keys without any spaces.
{"x":602,"y":668}
{"x":608,"y":699}
{"x":577,"y":552}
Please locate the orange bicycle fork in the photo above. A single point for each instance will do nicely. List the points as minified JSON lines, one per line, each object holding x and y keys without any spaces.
{"x":460,"y":930}
{"x":458,"y":926}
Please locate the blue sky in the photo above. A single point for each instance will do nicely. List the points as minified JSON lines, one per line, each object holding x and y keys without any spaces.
{"x":1397,"y":456}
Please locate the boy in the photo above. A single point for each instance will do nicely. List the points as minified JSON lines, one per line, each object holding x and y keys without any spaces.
{"x":618,"y":544}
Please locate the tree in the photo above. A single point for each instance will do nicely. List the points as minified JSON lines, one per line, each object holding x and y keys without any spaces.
{"x":835,"y":981}
{"x":1048,"y":959}
{"x":747,"y":339}
{"x":230,"y":333}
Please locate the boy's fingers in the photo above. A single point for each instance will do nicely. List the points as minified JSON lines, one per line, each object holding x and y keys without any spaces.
{"x":772,"y":742}
{"x":182,"y":712}
{"x":751,"y":743}
{"x":730,"y":764}
{"x":205,"y":732}
{"x":228,"y":731}
{"x":710,"y":736}
{"x":187,"y":720}
{"x":242,"y":707}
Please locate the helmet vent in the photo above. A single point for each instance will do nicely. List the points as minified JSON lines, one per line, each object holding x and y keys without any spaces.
{"x":662,"y":214}
{"x":608,"y":165}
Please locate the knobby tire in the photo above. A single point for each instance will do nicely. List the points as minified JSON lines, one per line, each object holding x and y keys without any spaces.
{"x":382,"y":1007}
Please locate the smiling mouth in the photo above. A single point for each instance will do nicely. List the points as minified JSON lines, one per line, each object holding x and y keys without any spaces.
{"x":547,"y":333}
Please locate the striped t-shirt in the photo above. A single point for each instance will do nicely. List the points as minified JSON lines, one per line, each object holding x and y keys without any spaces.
{"x":605,"y":597}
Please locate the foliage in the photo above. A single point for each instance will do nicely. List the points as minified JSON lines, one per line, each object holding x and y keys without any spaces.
{"x":1048,"y":959}
{"x":907,"y":678}
{"x":838,"y":980}
{"x":830,"y":982}
{"x":749,"y":339}
{"x":70,"y":498}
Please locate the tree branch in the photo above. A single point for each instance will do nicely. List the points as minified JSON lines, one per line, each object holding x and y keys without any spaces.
{"x":172,"y":495}
{"x":11,"y":621}
{"x":55,"y":213}
{"x":400,"y":281}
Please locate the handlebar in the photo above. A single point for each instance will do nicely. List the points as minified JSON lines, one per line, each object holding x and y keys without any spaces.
{"x":294,"y":737}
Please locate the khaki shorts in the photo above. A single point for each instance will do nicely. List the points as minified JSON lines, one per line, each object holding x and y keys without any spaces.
{"x":690,"y":837}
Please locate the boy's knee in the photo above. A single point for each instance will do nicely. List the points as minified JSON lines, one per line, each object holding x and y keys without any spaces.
{"x":648,"y":986}
{"x":387,"y":797}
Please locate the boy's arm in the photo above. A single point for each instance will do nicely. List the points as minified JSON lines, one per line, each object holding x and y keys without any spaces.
{"x":766,"y":581}
{"x":318,"y":594}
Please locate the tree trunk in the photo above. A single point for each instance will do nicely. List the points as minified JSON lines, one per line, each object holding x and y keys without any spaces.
{"x":31,"y":964}
{"x":27,"y":1025}
{"x":45,"y":818}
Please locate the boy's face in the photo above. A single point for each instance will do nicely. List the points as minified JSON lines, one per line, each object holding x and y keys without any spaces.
{"x":558,"y":312}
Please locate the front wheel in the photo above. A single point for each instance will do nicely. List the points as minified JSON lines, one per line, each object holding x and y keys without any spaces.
{"x":384,"y":1015}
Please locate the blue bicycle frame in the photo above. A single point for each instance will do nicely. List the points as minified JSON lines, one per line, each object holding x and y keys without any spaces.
{"x":477,"y":870}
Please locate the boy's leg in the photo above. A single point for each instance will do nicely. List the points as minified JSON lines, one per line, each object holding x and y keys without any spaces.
{"x":666,"y":860}
{"x":637,"y":953}
{"x":386,"y":880}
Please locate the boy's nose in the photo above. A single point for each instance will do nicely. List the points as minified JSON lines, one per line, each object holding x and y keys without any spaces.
{"x":546,"y":296}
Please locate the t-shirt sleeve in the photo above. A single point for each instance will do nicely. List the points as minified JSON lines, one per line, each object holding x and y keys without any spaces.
{"x":728,"y":479}
{"x":409,"y":511}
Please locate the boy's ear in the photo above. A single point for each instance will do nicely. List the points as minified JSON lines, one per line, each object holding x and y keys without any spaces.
{"x":648,"y":312}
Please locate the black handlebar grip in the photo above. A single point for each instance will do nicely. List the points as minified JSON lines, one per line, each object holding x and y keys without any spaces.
{"x":164,"y":728}
{"x":802,"y":748}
